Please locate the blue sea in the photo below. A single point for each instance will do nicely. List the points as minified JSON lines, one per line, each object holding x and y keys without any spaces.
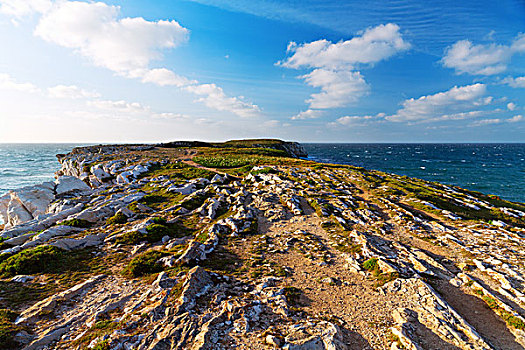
{"x":28,"y":164}
{"x":489,"y":168}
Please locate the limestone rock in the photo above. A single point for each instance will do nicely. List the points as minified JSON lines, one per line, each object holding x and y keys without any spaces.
{"x":68,"y":184}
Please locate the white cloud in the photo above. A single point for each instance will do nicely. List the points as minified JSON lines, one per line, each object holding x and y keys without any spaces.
{"x":120,"y":107}
{"x":334,"y":65}
{"x":373,"y":45}
{"x":518,"y":82}
{"x":161,"y":77}
{"x":93,"y":29}
{"x":465,"y":57}
{"x":484,"y":122}
{"x":515,"y":119}
{"x":308,"y":114}
{"x":70,"y":91}
{"x":214,"y":97}
{"x":337,"y":88}
{"x":456,"y":103}
{"x":356,"y":120}
{"x":170,"y":116}
{"x":511,"y":106}
{"x":126,"y":46}
{"x":20,"y":8}
{"x":8,"y":83}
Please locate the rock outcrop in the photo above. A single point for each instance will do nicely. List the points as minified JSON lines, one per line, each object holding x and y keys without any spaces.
{"x":142,"y":247}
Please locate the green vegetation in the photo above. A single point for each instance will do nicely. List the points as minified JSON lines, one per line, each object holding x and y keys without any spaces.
{"x":118,"y":218}
{"x":145,"y":263}
{"x":160,"y":199}
{"x":179,"y":171}
{"x":266,"y":170}
{"x":98,"y":330}
{"x":510,"y":319}
{"x":8,"y":329}
{"x":194,"y":201}
{"x":43,"y":259}
{"x":77,"y":223}
{"x":371,"y":265}
{"x":293,"y":296}
{"x":154,"y":232}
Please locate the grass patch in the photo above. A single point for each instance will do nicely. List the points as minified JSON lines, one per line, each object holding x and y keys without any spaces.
{"x":118,"y":218}
{"x":145,"y":264}
{"x":8,"y":329}
{"x":154,"y":232}
{"x":43,"y":259}
{"x":179,"y":171}
{"x":80,"y":223}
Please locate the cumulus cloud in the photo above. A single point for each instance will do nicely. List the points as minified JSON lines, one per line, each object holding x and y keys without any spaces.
{"x":337,"y":88}
{"x":356,"y":120}
{"x":457,"y":103}
{"x":70,"y":91}
{"x":511,"y":106}
{"x":334,"y":65}
{"x":126,"y":46}
{"x":214,"y":97}
{"x":371,"y":46}
{"x":465,"y":57}
{"x":518,"y":82}
{"x":120,"y":107}
{"x":93,"y":29}
{"x":8,"y":83}
{"x":20,"y":8}
{"x":308,"y":114}
{"x":162,"y":77}
{"x":484,"y":122}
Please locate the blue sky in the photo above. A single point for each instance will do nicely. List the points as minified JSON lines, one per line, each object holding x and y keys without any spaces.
{"x":311,"y":70}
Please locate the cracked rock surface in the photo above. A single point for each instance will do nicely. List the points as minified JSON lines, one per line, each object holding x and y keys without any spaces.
{"x":189,"y":246}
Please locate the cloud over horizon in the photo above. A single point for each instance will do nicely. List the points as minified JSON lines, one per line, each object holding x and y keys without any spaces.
{"x":126,"y":46}
{"x":335,"y":64}
{"x":457,"y":103}
{"x":465,"y":57}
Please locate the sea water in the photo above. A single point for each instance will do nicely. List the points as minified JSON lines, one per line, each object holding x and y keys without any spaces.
{"x":489,"y":168}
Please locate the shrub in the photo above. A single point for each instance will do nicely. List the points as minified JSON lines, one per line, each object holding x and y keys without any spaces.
{"x":118,"y":218}
{"x":77,"y":223}
{"x":293,"y":295}
{"x":8,"y":329}
{"x":371,"y":265}
{"x":512,"y":320}
{"x":154,"y":232}
{"x":145,"y":263}
{"x":38,"y":260}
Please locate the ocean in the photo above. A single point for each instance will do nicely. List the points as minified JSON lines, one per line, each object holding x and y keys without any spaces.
{"x":489,"y":168}
{"x":29,"y":164}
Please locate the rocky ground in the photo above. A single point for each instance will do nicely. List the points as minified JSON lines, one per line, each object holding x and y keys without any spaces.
{"x":234,"y":246}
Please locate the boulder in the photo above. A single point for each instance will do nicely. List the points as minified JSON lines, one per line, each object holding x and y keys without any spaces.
{"x":94,"y":214}
{"x":36,"y":198}
{"x":68,"y":184}
{"x":99,"y":172}
{"x":185,"y":189}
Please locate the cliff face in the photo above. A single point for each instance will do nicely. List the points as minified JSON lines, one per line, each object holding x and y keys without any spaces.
{"x":143,"y":247}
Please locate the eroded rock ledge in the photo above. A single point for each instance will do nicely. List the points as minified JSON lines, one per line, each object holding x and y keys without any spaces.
{"x":206,"y":246}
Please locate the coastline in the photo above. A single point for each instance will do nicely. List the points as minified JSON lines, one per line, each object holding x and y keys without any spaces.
{"x":249,"y":242}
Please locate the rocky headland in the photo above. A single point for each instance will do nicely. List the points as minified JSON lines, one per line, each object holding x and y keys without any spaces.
{"x":244,"y":245}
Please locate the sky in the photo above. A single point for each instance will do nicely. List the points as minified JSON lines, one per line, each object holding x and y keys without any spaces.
{"x":303,"y":70}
